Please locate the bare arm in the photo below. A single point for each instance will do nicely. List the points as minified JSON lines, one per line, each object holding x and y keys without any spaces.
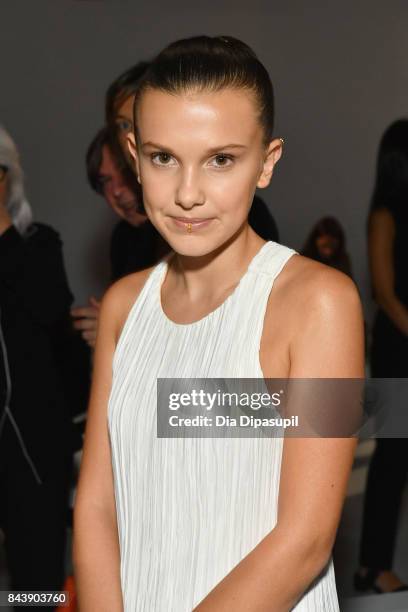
{"x":380,"y":249}
{"x":328,"y":342}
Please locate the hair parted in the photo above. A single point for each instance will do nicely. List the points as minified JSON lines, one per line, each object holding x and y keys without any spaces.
{"x":204,"y":63}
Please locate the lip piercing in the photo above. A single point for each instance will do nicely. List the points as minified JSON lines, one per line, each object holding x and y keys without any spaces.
{"x":188,"y":227}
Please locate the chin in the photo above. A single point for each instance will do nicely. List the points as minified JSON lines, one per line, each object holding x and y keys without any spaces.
{"x":136,"y":219}
{"x":193,"y":246}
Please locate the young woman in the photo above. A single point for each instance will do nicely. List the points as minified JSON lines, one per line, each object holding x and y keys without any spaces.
{"x":211,"y":524}
{"x":388,"y":252}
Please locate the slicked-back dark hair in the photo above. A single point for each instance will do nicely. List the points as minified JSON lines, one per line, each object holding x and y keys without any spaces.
{"x":205,"y":63}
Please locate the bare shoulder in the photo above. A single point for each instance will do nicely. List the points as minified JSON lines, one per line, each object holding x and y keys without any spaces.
{"x":306,"y":284}
{"x":310,"y":305}
{"x":120,"y":297}
{"x":326,"y":321}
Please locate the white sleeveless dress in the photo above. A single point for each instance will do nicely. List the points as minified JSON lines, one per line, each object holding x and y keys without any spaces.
{"x":189,"y":509}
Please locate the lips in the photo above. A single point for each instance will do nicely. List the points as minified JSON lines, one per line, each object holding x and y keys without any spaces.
{"x":192,"y":222}
{"x":128,"y":204}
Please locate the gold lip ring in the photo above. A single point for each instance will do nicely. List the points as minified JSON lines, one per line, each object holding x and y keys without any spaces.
{"x":189,"y":227}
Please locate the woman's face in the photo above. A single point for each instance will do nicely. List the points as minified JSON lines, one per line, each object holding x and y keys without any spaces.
{"x":199,"y":158}
{"x":116,"y":191}
{"x":124,"y":124}
{"x":327,"y":245}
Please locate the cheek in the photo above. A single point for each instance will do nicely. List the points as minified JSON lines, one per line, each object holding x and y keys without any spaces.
{"x":233,"y":191}
{"x":158,"y":186}
{"x":107,"y":194}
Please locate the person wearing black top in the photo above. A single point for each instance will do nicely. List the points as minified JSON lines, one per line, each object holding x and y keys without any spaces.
{"x":37,"y":434}
{"x":132,"y":248}
{"x":135,"y":242}
{"x":388,"y":251}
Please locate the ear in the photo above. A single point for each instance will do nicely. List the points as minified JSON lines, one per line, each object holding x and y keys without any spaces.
{"x":272,"y":156}
{"x":131,"y":143}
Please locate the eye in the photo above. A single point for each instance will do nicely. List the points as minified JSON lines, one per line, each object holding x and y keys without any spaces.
{"x":223,"y":160}
{"x":124,"y":125}
{"x":161,"y":158}
{"x":103,"y":181}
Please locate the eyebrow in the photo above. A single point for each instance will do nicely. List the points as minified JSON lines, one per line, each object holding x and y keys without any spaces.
{"x":120,"y":116}
{"x":156,"y":145}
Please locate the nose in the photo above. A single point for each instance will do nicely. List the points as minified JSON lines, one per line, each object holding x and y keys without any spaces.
{"x":189,"y":191}
{"x":118,"y":185}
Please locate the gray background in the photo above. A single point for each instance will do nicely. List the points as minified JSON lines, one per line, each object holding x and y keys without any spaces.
{"x":340,"y":76}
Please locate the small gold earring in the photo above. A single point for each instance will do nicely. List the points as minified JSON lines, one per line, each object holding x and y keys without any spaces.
{"x":282,"y":140}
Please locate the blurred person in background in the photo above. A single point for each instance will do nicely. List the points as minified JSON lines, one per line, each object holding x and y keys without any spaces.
{"x":135,"y":242}
{"x":326,"y":243}
{"x":119,"y":108}
{"x":39,"y":359}
{"x":388,"y":257}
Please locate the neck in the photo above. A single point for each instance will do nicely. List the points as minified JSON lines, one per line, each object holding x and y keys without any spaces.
{"x":217,"y":271}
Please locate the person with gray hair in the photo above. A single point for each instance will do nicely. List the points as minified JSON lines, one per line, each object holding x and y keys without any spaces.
{"x":12,"y":185}
{"x":37,"y":434}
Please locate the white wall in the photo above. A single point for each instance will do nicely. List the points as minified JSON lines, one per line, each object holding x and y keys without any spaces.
{"x":340,"y":75}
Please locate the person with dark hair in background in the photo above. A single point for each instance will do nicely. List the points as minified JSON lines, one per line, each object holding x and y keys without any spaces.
{"x":194,"y":522}
{"x":38,"y":388}
{"x":119,"y":110}
{"x":261,"y":220}
{"x":135,"y":242}
{"x":327,"y":243}
{"x":388,"y":257}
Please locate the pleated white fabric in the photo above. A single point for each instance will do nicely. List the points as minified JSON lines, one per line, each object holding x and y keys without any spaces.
{"x":189,"y":509}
